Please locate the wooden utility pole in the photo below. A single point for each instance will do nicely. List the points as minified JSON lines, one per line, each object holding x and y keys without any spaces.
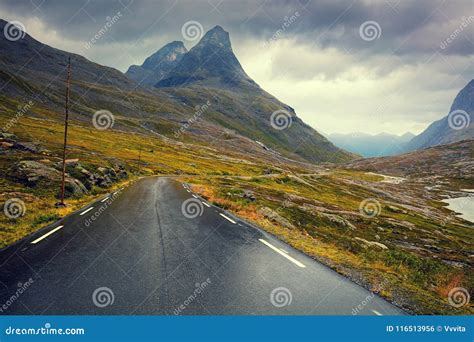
{"x":139,"y":159}
{"x":65,"y":132}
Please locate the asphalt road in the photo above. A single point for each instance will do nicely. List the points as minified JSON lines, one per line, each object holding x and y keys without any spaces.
{"x":143,"y":254}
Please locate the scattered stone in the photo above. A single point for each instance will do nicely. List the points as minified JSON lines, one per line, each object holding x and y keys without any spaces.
{"x":394,"y":209}
{"x":368,"y":244}
{"x":26,"y":146}
{"x":249,"y":195}
{"x":338,"y":220}
{"x":275,"y":217}
{"x":33,"y":173}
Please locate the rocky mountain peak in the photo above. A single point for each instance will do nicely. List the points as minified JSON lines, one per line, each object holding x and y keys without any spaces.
{"x":169,"y":53}
{"x":211,"y":62}
{"x":216,"y":36}
{"x":158,"y":65}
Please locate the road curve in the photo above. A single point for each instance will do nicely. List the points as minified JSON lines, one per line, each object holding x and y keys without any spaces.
{"x":141,"y":251}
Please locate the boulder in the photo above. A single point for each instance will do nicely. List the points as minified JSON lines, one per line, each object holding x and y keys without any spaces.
{"x":249,"y":195}
{"x":33,"y":173}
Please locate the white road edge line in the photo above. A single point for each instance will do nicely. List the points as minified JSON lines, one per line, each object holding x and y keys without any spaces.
{"x":195,"y":196}
{"x":105,"y":199}
{"x":227,"y":218}
{"x":188,"y":190}
{"x":268,"y":244}
{"x":376,"y":312}
{"x":207,"y":205}
{"x":46,"y":235}
{"x":86,"y":211}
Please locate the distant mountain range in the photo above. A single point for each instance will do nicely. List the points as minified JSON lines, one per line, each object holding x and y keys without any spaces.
{"x":456,"y":126}
{"x":164,"y":94}
{"x":367,"y":145}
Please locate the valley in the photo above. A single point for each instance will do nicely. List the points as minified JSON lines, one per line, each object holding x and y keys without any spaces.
{"x":200,"y":119}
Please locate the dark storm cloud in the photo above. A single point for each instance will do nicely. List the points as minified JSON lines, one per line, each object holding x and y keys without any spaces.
{"x":406,"y":27}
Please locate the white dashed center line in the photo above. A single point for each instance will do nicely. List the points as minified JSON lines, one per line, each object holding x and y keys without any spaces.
{"x":207,"y":205}
{"x":376,"y":312}
{"x":227,"y":218}
{"x":46,"y":235}
{"x":105,"y":199}
{"x":86,"y":211}
{"x":268,"y":244}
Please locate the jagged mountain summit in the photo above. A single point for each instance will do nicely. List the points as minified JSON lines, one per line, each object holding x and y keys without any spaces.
{"x":456,"y":126}
{"x":211,"y":62}
{"x":157,"y":66}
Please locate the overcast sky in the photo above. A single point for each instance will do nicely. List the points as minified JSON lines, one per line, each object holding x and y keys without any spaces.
{"x":345,"y":66}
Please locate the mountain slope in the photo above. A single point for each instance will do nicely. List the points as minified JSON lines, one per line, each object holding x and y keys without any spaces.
{"x":211,"y":70}
{"x":231,"y":119}
{"x":367,"y":145}
{"x":456,"y":126}
{"x":448,"y":160}
{"x":157,"y":66}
